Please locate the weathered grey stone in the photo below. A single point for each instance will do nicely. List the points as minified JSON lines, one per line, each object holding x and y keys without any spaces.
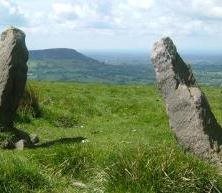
{"x":20,"y":144}
{"x":13,"y":74}
{"x":189,"y":113}
{"x":34,"y":138}
{"x":12,"y":139}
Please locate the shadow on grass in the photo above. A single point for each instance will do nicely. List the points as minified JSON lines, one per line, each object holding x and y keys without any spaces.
{"x":10,"y":136}
{"x":68,"y":140}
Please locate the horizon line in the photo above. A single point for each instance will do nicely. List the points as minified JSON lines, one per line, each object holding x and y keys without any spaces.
{"x":122,"y":50}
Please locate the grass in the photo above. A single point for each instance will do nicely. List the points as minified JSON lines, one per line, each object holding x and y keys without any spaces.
{"x":99,"y":138}
{"x":29,"y":106}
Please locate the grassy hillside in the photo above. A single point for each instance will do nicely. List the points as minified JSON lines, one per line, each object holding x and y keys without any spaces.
{"x":101,"y":138}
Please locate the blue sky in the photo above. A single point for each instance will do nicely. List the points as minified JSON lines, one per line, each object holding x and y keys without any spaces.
{"x":116,"y":24}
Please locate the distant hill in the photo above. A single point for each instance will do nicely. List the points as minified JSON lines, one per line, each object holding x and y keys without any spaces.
{"x":59,"y":54}
{"x":62,"y":64}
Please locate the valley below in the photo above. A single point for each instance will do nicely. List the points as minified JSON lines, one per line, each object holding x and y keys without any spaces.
{"x":116,"y":67}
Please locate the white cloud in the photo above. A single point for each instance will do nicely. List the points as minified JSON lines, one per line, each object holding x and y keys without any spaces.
{"x":100,"y":14}
{"x":66,"y":11}
{"x":140,"y":17}
{"x":79,"y":9}
{"x":140,"y":4}
{"x":209,"y":8}
{"x":10,"y":14}
{"x":126,"y":21}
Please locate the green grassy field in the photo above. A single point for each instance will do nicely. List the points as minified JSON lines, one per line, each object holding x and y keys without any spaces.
{"x":101,"y":138}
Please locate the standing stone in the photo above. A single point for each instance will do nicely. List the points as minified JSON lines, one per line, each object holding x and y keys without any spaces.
{"x":13,"y":74}
{"x":189,"y":112}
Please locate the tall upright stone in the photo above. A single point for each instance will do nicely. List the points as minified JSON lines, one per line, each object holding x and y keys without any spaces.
{"x":189,"y":112}
{"x":13,"y":74}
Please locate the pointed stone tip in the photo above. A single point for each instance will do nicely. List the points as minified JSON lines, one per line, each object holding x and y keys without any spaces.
{"x":164,"y":45}
{"x":165,"y":40}
{"x":13,"y":31}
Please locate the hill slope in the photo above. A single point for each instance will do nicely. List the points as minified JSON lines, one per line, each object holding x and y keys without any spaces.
{"x":69,"y":65}
{"x":102,"y":138}
{"x":111,"y":67}
{"x":58,"y":54}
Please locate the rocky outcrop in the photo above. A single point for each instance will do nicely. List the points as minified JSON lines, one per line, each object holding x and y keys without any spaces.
{"x":189,"y":112}
{"x":13,"y":74}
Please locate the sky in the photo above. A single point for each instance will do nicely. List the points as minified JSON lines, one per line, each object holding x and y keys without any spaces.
{"x":194,"y":25}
